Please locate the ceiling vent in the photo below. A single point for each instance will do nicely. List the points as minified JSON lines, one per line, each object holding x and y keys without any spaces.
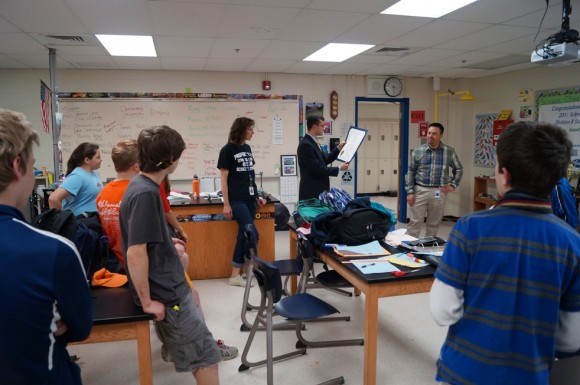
{"x":76,"y":39}
{"x":392,"y":51}
{"x":67,"y":40}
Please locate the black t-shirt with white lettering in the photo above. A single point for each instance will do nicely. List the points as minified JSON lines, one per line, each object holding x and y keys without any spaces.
{"x":240,"y":163}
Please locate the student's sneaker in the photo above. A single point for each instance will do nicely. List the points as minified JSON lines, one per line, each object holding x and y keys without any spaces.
{"x":228,"y":352}
{"x":238,"y":281}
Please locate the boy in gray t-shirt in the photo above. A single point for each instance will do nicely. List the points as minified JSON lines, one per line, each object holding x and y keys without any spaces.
{"x":155,"y":272}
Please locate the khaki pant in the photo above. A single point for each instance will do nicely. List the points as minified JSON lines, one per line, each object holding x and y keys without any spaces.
{"x":430,"y":201}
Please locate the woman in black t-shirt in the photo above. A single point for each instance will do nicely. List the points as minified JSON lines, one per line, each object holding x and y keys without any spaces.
{"x":240,"y":193}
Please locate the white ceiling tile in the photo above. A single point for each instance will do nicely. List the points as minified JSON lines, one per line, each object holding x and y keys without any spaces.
{"x":269,"y":65}
{"x":489,"y":36}
{"x":289,"y":50}
{"x":50,"y":16}
{"x":428,"y":55}
{"x":365,"y":6}
{"x":226,"y":65}
{"x":349,"y":68}
{"x":186,"y":19}
{"x":378,"y":29}
{"x":183,"y":46}
{"x":183,"y":63}
{"x":237,"y":48}
{"x":259,"y":22}
{"x":6,"y":26}
{"x":495,"y":11}
{"x":468,"y":58}
{"x":313,"y":25}
{"x":20,"y":43}
{"x":39,"y":61}
{"x":436,"y":32}
{"x":138,"y":63}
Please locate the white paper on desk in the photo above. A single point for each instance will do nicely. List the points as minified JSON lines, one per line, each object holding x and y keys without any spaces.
{"x":394,"y":238}
{"x":354,"y":139}
{"x":403,"y":259}
{"x":371,"y":248}
{"x":376,"y":268}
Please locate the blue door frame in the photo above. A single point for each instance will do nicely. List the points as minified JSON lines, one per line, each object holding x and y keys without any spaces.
{"x":403,"y":149}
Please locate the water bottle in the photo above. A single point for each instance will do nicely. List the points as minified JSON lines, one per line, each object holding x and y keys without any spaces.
{"x":195,"y":187}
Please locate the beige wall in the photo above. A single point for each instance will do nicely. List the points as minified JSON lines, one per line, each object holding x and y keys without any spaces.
{"x":19,"y":90}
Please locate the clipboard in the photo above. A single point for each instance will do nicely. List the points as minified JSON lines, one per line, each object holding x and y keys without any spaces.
{"x":354,"y":138}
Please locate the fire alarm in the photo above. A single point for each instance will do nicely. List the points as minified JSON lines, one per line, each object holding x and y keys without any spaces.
{"x":266,"y":85}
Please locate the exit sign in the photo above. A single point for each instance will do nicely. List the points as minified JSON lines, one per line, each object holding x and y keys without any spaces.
{"x":417,"y":116}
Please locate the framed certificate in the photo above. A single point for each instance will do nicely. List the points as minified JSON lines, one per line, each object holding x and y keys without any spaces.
{"x":289,"y":165}
{"x":354,"y":139}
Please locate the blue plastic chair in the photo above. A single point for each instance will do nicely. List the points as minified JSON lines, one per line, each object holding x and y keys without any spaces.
{"x":296,"y":309}
{"x":287,"y":268}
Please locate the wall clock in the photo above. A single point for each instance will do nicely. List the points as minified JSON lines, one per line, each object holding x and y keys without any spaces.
{"x":393,"y":86}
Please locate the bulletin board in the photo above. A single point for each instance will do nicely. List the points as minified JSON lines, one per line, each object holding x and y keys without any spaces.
{"x":562,"y":107}
{"x":204,"y":121}
{"x":484,"y":151}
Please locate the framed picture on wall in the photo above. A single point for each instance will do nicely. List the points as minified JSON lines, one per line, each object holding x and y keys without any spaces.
{"x":289,"y":165}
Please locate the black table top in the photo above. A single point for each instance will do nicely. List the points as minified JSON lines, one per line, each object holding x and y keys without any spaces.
{"x":216,"y":201}
{"x":424,"y":272}
{"x":115,"y":305}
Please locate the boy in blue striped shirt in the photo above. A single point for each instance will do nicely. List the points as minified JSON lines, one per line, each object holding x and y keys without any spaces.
{"x":508,"y":285}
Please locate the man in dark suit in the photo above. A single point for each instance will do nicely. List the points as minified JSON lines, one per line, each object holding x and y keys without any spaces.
{"x":314,"y":172}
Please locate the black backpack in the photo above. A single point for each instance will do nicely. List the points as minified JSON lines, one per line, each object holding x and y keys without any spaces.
{"x":353,"y":227}
{"x":93,"y":248}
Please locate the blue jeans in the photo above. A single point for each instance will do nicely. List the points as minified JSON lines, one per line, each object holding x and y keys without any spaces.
{"x":244,"y":213}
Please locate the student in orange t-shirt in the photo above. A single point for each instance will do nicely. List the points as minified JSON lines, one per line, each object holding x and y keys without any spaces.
{"x":124,"y":155}
{"x":125,"y":158}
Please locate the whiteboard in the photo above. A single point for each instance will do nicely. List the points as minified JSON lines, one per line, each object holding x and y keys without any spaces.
{"x":203,"y":123}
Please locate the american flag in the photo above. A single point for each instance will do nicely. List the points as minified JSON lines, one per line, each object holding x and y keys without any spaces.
{"x":45,"y":106}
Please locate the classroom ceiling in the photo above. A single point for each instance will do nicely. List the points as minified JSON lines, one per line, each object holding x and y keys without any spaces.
{"x":485,"y":38}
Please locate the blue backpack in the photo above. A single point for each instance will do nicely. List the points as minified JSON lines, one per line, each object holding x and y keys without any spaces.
{"x":564,"y":202}
{"x":336,"y":198}
{"x":93,"y":248}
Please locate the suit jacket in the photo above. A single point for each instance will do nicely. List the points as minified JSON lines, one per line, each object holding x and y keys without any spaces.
{"x":314,"y":172}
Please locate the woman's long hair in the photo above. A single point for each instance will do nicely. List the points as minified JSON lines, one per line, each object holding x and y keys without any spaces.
{"x":77,"y":158}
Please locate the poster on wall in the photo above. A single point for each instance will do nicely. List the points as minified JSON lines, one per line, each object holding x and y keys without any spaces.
{"x":484,"y":150}
{"x":562,"y":107}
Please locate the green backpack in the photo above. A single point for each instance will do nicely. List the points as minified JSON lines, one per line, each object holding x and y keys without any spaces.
{"x":308,"y":209}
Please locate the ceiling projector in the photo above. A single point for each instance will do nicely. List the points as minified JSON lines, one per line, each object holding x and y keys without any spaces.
{"x":556,"y":54}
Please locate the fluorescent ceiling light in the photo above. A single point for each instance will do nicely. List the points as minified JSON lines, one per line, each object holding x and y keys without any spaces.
{"x":126,"y":45}
{"x":425,"y":8}
{"x":337,"y":52}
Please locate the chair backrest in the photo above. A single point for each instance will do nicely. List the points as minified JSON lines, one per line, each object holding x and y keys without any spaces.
{"x":306,"y":254}
{"x":268,"y":277}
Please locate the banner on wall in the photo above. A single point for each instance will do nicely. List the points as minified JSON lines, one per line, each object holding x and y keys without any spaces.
{"x":562,"y":107}
{"x":498,"y":127}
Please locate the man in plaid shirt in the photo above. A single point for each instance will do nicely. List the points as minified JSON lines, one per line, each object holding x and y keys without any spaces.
{"x":428,"y":181}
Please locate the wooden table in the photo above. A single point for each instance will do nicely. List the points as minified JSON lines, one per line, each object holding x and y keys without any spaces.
{"x":374,"y":286}
{"x":117,"y":318}
{"x":211,"y":242}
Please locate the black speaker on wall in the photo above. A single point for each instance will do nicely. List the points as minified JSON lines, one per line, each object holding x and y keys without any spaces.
{"x":334,"y":142}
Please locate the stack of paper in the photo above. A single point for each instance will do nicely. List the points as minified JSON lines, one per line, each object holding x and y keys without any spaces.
{"x":373,"y":248}
{"x":176,"y":198}
{"x":377,"y":266}
{"x":394,"y":238}
{"x":407,"y":260}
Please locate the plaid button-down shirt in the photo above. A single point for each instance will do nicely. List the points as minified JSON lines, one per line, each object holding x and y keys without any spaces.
{"x":430,"y":168}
